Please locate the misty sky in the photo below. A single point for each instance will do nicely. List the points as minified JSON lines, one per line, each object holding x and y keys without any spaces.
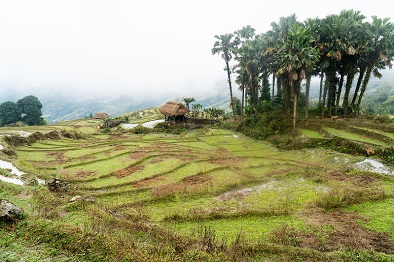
{"x":138,"y":48}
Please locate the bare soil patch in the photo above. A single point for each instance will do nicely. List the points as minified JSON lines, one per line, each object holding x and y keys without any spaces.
{"x":196,"y":179}
{"x":189,"y":184}
{"x":138,"y":155}
{"x":222,"y":157}
{"x":356,"y":180}
{"x":346,"y":232}
{"x":147,"y":181}
{"x":57,"y":155}
{"x":157,"y":160}
{"x":84,"y":158}
{"x":128,"y":171}
{"x":83,"y":173}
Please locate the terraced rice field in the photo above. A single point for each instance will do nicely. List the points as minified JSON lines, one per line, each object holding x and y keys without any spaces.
{"x":220,"y":180}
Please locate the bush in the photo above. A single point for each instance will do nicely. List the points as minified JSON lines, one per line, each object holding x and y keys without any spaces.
{"x":140,"y":130}
{"x":260,"y":126}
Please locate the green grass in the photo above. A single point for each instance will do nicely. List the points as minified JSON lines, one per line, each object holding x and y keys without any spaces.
{"x":310,"y":133}
{"x":354,"y":137}
{"x":176,"y":185}
{"x":379,"y":216}
{"x":389,"y":135}
{"x":252,"y":228}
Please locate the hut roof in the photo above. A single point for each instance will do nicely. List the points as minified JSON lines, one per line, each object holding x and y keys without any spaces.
{"x":174,"y":109}
{"x":100,"y":115}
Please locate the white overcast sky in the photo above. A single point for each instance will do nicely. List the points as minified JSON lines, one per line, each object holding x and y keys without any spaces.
{"x":139,"y":48}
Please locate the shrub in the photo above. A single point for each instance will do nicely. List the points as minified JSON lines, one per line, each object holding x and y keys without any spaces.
{"x":140,"y":130}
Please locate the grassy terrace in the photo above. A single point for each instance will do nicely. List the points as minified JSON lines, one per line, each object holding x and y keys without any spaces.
{"x":204,"y":188}
{"x":355,"y":137}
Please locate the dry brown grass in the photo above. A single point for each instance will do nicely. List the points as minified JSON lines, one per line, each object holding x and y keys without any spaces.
{"x":191,"y":184}
{"x":128,"y":171}
{"x":330,"y":231}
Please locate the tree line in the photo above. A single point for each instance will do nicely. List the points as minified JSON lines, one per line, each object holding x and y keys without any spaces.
{"x":27,"y":110}
{"x":342,"y":49}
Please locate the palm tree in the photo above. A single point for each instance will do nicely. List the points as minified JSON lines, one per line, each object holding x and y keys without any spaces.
{"x":224,"y":45}
{"x":272,"y":37}
{"x":380,"y":51}
{"x":188,"y":100}
{"x":243,"y":34}
{"x":295,"y":57}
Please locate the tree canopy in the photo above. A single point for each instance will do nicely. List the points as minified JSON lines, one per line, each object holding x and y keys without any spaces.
{"x":9,"y":113}
{"x":27,"y":110}
{"x":339,"y":48}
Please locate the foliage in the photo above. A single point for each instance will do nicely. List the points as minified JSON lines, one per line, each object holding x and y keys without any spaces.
{"x":27,"y":109}
{"x":292,"y":51}
{"x":265,"y":124}
{"x":214,"y":112}
{"x":140,"y":129}
{"x":9,"y":113}
{"x":188,"y":101}
{"x":30,"y":108}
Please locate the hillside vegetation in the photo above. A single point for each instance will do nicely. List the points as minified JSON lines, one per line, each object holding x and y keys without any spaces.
{"x":204,"y":194}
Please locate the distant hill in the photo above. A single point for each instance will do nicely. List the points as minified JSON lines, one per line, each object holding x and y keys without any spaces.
{"x":59,"y":107}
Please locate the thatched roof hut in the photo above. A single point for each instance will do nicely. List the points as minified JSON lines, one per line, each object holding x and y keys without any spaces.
{"x":174,"y":109}
{"x":100,"y":115}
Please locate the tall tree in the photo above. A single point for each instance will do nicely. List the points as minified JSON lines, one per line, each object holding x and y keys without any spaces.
{"x":30,"y":109}
{"x":225,"y":45}
{"x":188,"y":101}
{"x":9,"y":113}
{"x":379,"y":51}
{"x":296,"y":56}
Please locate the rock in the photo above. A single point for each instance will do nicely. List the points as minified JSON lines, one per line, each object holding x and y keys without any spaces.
{"x":8,"y":211}
{"x":75,"y":198}
{"x":57,"y":185}
{"x":89,"y":199}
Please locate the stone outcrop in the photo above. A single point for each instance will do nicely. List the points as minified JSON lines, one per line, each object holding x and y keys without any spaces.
{"x":9,"y":212}
{"x":57,"y":185}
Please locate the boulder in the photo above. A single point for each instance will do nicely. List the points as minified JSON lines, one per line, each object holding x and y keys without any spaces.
{"x":8,"y":211}
{"x":57,"y":185}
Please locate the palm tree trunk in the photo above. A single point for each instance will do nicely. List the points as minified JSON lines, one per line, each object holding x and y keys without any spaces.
{"x":243,"y":94}
{"x":359,"y":81}
{"x":278,"y":85}
{"x":230,"y":87}
{"x":321,"y":85}
{"x":243,"y":99}
{"x":340,"y":86}
{"x":286,"y":96}
{"x":307,"y":88}
{"x":323,"y":104}
{"x":273,"y":88}
{"x":363,"y":88}
{"x":296,"y":87}
{"x":349,"y":82}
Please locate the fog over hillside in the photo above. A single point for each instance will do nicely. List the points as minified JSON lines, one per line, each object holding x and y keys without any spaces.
{"x":61,"y":105}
